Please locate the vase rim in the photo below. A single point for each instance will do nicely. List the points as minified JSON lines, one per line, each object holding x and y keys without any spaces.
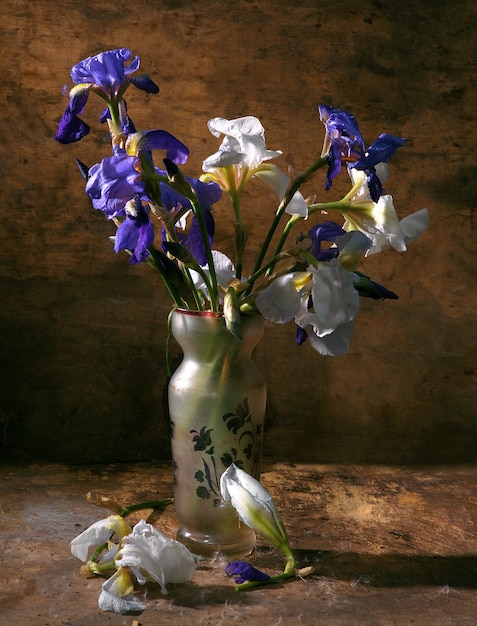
{"x":198,"y":313}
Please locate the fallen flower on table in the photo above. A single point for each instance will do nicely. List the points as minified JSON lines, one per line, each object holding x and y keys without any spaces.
{"x":244,"y":572}
{"x":138,"y":553}
{"x":249,"y":577}
{"x":255,"y":507}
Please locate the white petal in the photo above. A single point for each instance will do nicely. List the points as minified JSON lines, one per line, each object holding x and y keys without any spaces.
{"x":222,"y":158}
{"x":352,"y":246}
{"x":235,"y":476}
{"x":98,"y":533}
{"x":224,"y":268}
{"x":129,"y":604}
{"x":280,"y":301}
{"x":387,"y":222}
{"x":274,"y":177}
{"x":248,"y":125}
{"x":117,"y":594}
{"x":244,"y":135}
{"x":414,"y":225}
{"x":164,"y":560}
{"x":95,"y":535}
{"x":336,"y":343}
{"x":297,"y":205}
{"x":335,"y":299}
{"x":253,"y":504}
{"x":382,"y":171}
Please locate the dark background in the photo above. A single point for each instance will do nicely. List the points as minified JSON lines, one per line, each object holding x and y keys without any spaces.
{"x":82,"y":332}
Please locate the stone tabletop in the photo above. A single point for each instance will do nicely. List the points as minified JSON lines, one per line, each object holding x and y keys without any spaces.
{"x":389,"y":546}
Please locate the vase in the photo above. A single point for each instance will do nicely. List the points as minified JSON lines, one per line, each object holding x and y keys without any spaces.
{"x":217,"y":401}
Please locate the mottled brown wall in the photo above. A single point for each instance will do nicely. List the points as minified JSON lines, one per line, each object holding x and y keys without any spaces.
{"x":82,"y":332}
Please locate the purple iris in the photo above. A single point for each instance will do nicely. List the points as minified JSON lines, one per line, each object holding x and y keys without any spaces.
{"x":127,"y":125}
{"x":207,"y":195}
{"x":116,"y":180}
{"x":379,"y":151}
{"x":136,"y":232}
{"x":70,"y":127}
{"x":244,"y":572}
{"x":327,"y":231}
{"x":107,"y":72}
{"x":345,"y":138}
{"x":346,"y":142}
{"x":113,"y":182}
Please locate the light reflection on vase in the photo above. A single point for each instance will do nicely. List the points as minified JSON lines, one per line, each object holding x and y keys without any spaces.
{"x":217,"y":401}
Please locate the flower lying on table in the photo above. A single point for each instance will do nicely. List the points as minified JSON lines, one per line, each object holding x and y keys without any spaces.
{"x":255,"y":507}
{"x":141,"y":553}
{"x":165,"y":218}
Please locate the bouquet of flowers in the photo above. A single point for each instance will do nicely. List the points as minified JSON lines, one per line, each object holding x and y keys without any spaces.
{"x":165,"y":218}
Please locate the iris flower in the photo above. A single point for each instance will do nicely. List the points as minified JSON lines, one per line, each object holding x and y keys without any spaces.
{"x":323,"y":300}
{"x":378,"y":220}
{"x":372,"y":161}
{"x":108,"y":76}
{"x":255,"y":507}
{"x":242,"y":155}
{"x":244,"y":572}
{"x":136,"y":232}
{"x":343,"y":141}
{"x":335,"y":303}
{"x":98,"y":533}
{"x":151,"y":556}
{"x":114,"y":182}
{"x":142,"y":552}
{"x":177,"y":204}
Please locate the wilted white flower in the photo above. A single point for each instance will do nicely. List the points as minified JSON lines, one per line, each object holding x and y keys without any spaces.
{"x":152,"y":556}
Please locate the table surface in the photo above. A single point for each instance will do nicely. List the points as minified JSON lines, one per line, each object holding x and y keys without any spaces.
{"x":389,"y":545}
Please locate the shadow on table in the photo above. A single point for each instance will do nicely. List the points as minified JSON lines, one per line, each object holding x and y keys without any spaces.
{"x":387,"y":570}
{"x":393,"y":570}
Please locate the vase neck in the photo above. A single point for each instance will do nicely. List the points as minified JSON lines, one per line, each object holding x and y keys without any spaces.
{"x":206,"y":336}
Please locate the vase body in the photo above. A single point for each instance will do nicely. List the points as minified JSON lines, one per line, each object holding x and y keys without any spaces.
{"x":217,"y":401}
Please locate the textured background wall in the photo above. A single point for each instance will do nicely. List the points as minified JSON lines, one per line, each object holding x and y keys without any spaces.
{"x":82,"y":332}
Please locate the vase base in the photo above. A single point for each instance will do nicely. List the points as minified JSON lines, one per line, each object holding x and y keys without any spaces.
{"x":208,"y":546}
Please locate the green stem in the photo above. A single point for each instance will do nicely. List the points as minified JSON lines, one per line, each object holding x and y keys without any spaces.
{"x":239,"y":234}
{"x":288,"y":573}
{"x":292,"y":189}
{"x":337,"y":205}
{"x":266,"y":267}
{"x":148,"y":504}
{"x":195,"y":294}
{"x":101,"y":568}
{"x":281,"y":242}
{"x":261,"y":583}
{"x":155,"y":254}
{"x":99,"y":550}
